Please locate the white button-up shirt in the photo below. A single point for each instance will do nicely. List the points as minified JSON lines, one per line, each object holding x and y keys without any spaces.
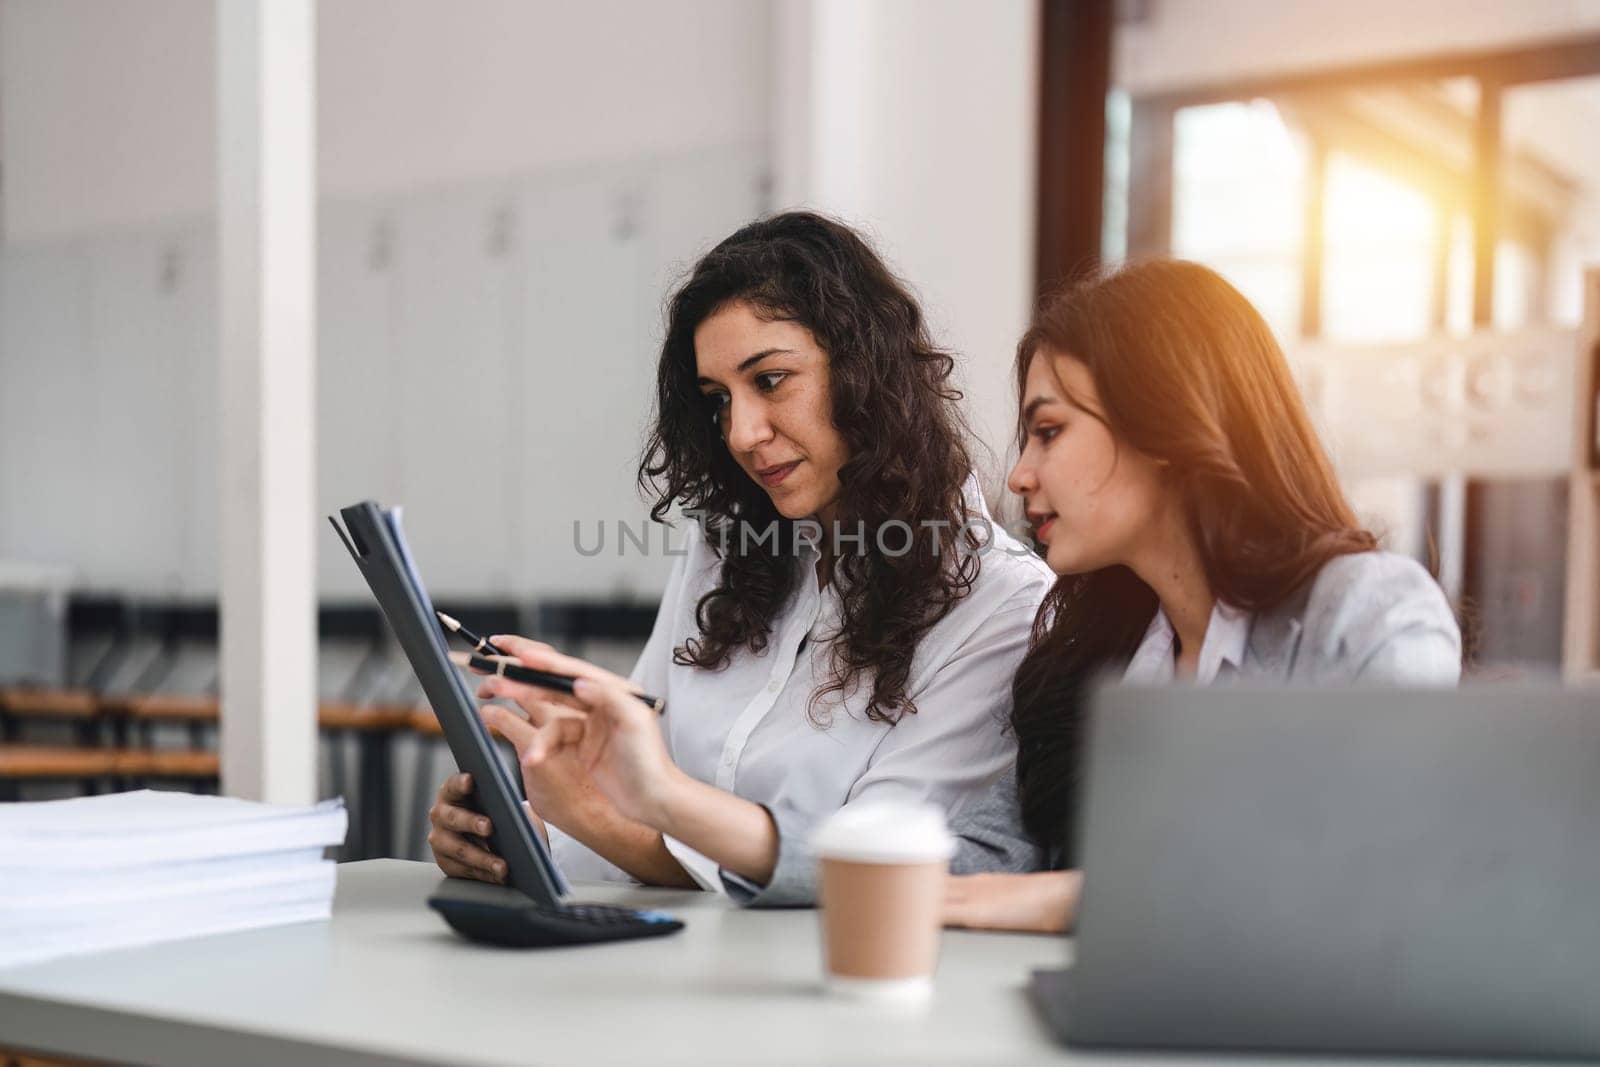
{"x":745,"y":728}
{"x":1227,"y":636}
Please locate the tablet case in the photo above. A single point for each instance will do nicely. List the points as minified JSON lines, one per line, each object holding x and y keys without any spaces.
{"x":374,"y":540}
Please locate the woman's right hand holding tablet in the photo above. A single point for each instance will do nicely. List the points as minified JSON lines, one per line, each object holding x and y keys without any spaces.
{"x":459,"y":835}
{"x":557,"y":788}
{"x":560,"y":787}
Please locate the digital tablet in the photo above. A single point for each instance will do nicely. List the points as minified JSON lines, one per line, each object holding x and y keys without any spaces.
{"x":372,"y":536}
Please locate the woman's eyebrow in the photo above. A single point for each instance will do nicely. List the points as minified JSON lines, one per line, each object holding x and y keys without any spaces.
{"x":750,"y":362}
{"x":763,"y":354}
{"x":1035,"y":404}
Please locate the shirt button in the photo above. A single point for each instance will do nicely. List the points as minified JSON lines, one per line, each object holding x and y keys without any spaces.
{"x":774,"y":685}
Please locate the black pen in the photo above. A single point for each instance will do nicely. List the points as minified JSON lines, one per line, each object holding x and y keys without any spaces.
{"x":480,"y":645}
{"x":506,"y":667}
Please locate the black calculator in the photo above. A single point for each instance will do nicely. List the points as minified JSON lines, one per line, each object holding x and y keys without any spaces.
{"x":496,"y":915}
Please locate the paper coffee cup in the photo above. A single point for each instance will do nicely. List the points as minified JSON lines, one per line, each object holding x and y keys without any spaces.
{"x":881,"y":889}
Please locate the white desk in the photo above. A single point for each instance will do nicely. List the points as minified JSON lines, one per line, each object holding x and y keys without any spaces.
{"x":387,"y":982}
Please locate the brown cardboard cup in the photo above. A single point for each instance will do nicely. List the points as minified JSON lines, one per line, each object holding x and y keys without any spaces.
{"x":881,"y":890}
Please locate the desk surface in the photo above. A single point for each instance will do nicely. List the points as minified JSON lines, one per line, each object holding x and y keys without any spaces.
{"x":386,"y":982}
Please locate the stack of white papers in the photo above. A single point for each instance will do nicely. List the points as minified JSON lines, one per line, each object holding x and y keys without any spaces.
{"x":102,"y":872}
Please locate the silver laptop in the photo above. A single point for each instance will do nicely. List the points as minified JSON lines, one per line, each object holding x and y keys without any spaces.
{"x":1342,"y":870}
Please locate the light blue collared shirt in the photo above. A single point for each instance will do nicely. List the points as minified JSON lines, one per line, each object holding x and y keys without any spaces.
{"x":1154,"y":662}
{"x":1371,"y":617}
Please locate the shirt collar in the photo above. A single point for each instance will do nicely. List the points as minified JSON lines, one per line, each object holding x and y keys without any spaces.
{"x":1227,"y":637}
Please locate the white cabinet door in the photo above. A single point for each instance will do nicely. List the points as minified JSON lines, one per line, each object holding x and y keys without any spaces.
{"x":360,"y":444}
{"x":453,"y":311}
{"x":588,"y":374}
{"x":139,"y":417}
{"x":48,"y":475}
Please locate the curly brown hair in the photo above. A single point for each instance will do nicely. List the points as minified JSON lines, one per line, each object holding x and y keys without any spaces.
{"x":897,"y":411}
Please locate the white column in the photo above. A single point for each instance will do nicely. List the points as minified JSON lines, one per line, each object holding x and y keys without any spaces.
{"x":916,"y":120}
{"x":266,"y":221}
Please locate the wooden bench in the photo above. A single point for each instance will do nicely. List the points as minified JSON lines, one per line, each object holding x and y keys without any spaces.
{"x":79,"y":707}
{"x":19,"y":763}
{"x":48,"y":703}
{"x":187,"y":763}
{"x":169,"y":707}
{"x":199,"y":712}
{"x":56,"y":762}
{"x":338,"y":715}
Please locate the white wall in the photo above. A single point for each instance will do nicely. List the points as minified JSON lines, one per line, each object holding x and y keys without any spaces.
{"x":423,"y":91}
{"x":109,"y":113}
{"x":109,"y":108}
{"x":915,"y":119}
{"x":508,"y":190}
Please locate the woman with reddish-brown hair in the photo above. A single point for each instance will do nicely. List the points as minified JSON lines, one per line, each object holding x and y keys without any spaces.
{"x":1198,"y":532}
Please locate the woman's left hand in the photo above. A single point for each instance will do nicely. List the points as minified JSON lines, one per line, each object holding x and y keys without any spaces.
{"x":1044,"y":903}
{"x":620,"y":743}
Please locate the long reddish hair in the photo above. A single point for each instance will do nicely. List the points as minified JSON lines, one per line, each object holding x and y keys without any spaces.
{"x":1187,"y":372}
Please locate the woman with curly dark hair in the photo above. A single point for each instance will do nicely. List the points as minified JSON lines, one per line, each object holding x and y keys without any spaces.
{"x":845,"y":621}
{"x":1198,"y":531}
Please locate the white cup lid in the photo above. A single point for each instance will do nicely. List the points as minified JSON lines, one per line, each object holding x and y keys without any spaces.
{"x":885,"y":833}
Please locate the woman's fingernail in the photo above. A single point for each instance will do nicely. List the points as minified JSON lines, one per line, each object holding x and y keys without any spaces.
{"x":483,"y":826}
